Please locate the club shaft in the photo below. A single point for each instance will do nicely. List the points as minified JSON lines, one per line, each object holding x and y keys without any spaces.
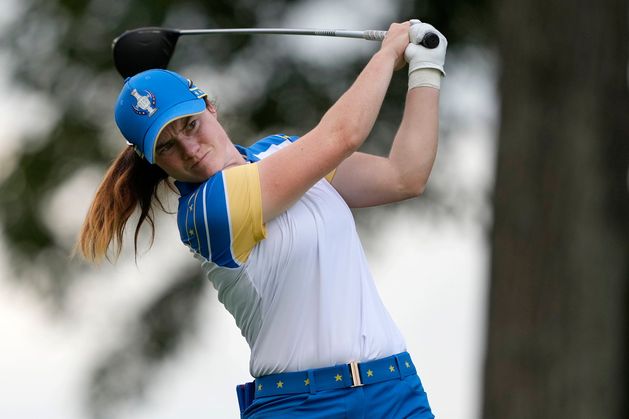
{"x":370,"y":35}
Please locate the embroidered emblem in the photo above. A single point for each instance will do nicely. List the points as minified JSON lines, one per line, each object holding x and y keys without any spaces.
{"x":195,"y":90}
{"x":145,"y":104}
{"x":369,"y":373}
{"x":338,"y":377}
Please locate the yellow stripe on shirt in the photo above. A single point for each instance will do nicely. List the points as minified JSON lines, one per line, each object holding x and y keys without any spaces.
{"x":244,"y":198}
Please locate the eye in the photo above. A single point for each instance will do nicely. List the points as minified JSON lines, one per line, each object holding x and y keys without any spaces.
{"x":165,"y":147}
{"x":191,"y":125}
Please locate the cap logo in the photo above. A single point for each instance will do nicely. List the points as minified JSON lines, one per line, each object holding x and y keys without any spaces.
{"x":195,"y":90}
{"x":145,"y":104}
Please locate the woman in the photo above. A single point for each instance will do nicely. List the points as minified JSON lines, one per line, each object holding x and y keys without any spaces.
{"x":272,"y":228}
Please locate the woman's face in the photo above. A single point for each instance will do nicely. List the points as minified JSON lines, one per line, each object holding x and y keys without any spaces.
{"x":193,"y":148}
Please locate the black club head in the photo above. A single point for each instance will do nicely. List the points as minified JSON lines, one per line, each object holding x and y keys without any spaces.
{"x":142,"y":49}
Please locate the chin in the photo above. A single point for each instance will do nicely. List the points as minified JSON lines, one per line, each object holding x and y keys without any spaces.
{"x":204,"y":173}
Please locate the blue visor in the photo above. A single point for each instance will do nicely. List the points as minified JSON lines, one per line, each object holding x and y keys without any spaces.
{"x":151,"y":100}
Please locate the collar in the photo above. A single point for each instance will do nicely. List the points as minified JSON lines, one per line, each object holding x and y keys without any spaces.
{"x":186,"y":188}
{"x":247,"y":154}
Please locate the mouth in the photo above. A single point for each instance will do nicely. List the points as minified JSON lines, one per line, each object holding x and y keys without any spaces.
{"x":200,"y":160}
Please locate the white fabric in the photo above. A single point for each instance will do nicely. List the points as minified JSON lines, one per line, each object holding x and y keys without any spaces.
{"x":417,"y":56}
{"x":305,"y":297}
{"x":424,"y":77}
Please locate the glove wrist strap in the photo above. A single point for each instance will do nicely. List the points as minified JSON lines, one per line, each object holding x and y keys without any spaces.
{"x":424,"y":77}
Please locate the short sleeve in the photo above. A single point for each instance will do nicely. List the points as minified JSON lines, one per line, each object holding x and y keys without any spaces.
{"x":222,"y":218}
{"x":269,"y":145}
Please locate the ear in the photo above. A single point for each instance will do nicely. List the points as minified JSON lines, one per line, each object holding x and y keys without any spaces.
{"x":211,"y":107}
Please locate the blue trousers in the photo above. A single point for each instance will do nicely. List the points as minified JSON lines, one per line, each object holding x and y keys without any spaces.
{"x":393,"y":399}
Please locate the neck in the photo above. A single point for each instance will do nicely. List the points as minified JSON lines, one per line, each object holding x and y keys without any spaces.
{"x":235,"y":158}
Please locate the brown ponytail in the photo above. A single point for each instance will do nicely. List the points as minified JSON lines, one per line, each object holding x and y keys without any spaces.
{"x":129,"y":182}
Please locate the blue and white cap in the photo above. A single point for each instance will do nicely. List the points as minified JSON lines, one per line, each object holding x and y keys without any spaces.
{"x":151,"y":100}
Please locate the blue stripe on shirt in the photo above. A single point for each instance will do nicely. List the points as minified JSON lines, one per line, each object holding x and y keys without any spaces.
{"x":219,"y":223}
{"x":199,"y":223}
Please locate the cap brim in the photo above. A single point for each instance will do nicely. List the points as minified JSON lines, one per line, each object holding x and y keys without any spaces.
{"x":181,"y":110}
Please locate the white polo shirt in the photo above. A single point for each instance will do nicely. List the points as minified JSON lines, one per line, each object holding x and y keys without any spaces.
{"x":298,"y":287}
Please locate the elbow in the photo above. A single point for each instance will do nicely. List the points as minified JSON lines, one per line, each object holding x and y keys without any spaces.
{"x":412,"y":188}
{"x":348,"y":138}
{"x":411,"y":179}
{"x":414,"y":192}
{"x":342,"y":133}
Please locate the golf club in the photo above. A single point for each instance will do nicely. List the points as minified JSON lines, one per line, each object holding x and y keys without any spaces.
{"x":141,"y":49}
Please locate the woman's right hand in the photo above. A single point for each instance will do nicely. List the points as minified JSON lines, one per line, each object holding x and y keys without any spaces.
{"x":395,"y":43}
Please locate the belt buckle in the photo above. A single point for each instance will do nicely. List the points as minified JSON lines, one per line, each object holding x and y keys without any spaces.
{"x":355,"y":373}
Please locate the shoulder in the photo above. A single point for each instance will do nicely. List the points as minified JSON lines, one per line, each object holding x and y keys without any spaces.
{"x":193,"y":209}
{"x":268,"y":145}
{"x":221,"y":218}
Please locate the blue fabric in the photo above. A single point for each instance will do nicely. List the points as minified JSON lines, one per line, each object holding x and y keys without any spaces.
{"x":262,"y":145}
{"x":203,"y":216}
{"x":217,"y":213}
{"x":392,"y":389}
{"x":203,"y":221}
{"x":393,"y":399}
{"x":245,"y":393}
{"x":338,"y":376}
{"x":149,"y":101}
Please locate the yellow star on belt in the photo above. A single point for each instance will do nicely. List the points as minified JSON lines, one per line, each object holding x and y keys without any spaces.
{"x":307,"y":381}
{"x":259,"y":387}
{"x":369,"y":373}
{"x":280,"y":384}
{"x":338,"y":377}
{"x":391,"y":368}
{"x":407,"y":364}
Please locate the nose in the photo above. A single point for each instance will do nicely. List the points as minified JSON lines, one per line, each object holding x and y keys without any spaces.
{"x":189,"y":149}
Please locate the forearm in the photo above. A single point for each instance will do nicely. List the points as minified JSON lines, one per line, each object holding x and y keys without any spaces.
{"x":415,"y":144}
{"x":352,"y":117}
{"x":287,"y":174}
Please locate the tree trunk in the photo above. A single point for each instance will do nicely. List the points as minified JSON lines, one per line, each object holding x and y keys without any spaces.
{"x":558,"y":317}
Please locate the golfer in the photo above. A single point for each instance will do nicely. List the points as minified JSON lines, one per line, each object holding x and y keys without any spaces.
{"x":272,"y":227}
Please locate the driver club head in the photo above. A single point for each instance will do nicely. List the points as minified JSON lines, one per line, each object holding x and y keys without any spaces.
{"x":142,"y":49}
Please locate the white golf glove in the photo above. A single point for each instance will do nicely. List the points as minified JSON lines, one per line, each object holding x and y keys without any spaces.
{"x":425,"y":65}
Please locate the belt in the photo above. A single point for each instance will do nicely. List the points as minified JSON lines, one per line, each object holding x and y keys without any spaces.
{"x":354,"y":374}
